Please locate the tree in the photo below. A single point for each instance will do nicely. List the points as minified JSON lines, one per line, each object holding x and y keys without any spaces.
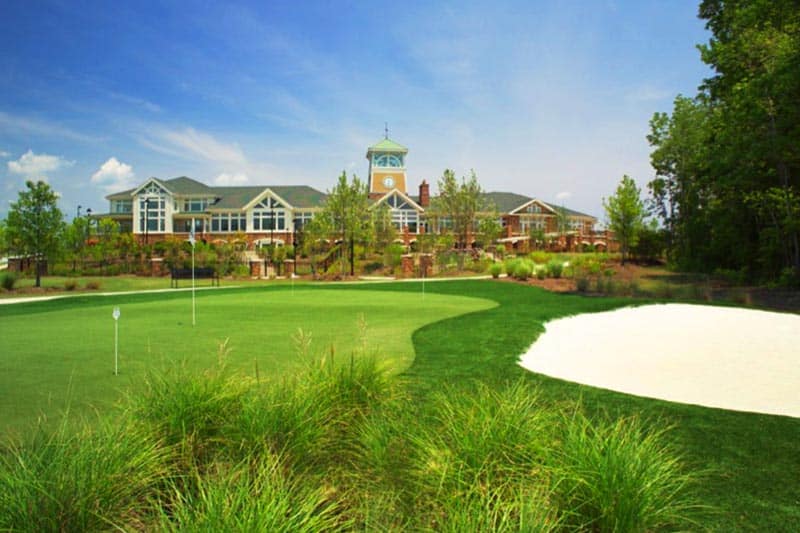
{"x":3,"y":237}
{"x":625,"y":213}
{"x":75,"y":236}
{"x":347,"y":208}
{"x":489,"y":230}
{"x":459,"y":203}
{"x":35,"y":223}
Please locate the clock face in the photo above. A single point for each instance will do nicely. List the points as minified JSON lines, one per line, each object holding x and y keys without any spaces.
{"x":388,"y":182}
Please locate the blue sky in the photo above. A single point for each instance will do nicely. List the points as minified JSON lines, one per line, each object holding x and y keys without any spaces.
{"x":545,"y":98}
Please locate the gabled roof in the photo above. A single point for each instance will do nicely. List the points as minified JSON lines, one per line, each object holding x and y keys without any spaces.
{"x":387,"y":145}
{"x":505,"y":202}
{"x":298,"y":196}
{"x":187,"y":186}
{"x":402,"y":195}
{"x":570,"y":212}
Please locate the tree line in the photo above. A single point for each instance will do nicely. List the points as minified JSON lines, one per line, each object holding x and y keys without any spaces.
{"x":727,"y":160}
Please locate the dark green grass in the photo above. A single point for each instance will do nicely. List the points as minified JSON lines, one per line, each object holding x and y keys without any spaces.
{"x":60,"y":353}
{"x":752,"y":461}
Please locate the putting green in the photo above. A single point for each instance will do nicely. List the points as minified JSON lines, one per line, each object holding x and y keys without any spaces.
{"x":60,"y":354}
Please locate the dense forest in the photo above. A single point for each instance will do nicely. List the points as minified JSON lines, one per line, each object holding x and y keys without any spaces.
{"x":727,"y":160}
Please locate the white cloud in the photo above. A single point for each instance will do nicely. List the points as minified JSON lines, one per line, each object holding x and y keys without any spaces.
{"x":31,"y":126}
{"x":192,"y":144}
{"x":113,"y":175}
{"x":563,"y":195}
{"x":649,"y":93}
{"x":226,"y":179}
{"x":4,"y":154}
{"x":37,"y":165}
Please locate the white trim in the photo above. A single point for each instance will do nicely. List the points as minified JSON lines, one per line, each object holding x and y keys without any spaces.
{"x":534,"y":201}
{"x":152,"y":180}
{"x":385,"y":197}
{"x":263,"y":194}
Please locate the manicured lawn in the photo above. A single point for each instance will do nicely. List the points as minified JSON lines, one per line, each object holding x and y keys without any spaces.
{"x":61,"y":352}
{"x":750,"y":462}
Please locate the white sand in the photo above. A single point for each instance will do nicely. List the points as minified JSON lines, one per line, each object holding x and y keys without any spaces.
{"x":730,"y":358}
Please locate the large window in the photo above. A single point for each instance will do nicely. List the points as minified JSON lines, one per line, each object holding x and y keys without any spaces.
{"x":199,"y":226}
{"x":387,"y":160}
{"x":269,"y":215}
{"x":196,"y":205}
{"x":153,"y":211}
{"x":122,"y":206}
{"x":228,"y":222}
{"x":301,"y":218}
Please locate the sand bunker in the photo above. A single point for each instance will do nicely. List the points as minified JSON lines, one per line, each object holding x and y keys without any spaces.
{"x":730,"y":358}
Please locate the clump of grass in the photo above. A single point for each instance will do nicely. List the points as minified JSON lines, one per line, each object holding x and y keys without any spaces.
{"x":615,"y":476}
{"x":495,"y":269}
{"x":70,"y":285}
{"x":189,"y":410}
{"x":93,"y":285}
{"x":522,"y":271}
{"x":8,"y":280}
{"x":541,"y":272}
{"x":555,"y":268}
{"x":582,"y":284}
{"x":90,"y":479}
{"x":501,"y":510}
{"x":491,"y":439}
{"x":252,"y":496}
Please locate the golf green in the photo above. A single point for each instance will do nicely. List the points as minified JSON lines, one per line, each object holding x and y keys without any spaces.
{"x":60,"y":354}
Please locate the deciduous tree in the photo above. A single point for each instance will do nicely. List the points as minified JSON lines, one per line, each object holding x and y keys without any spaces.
{"x":35,"y":223}
{"x":625,"y":213}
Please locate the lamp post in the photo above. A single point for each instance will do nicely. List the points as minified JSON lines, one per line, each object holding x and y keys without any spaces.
{"x":79,"y":212}
{"x":272,"y":237}
{"x":146,"y":218}
{"x":88,"y":223}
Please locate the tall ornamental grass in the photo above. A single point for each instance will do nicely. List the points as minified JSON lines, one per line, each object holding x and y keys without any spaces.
{"x":617,"y":476}
{"x":99,"y":477}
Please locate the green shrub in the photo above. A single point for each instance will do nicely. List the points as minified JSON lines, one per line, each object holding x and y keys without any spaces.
{"x":615,"y":476}
{"x":522,"y":271}
{"x":509,"y":264}
{"x":251,"y":497}
{"x":241,"y":271}
{"x":582,"y":284}
{"x":540,"y":258}
{"x":70,"y":285}
{"x":93,"y":285}
{"x":8,"y":280}
{"x":89,"y":479}
{"x":541,"y":272}
{"x":372,"y":266}
{"x":555,"y":268}
{"x":495,"y":269}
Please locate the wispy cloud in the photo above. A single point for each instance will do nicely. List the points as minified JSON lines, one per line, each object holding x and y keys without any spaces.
{"x":4,"y":154}
{"x":113,"y":175}
{"x":226,"y":179}
{"x":563,"y":195}
{"x":16,"y":124}
{"x":141,"y":103}
{"x":33,"y":165}
{"x":190,"y":143}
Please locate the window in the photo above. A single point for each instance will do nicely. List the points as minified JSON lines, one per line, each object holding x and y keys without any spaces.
{"x":301,"y":219}
{"x":199,"y":226}
{"x":534,"y":208}
{"x":196,"y":205}
{"x":153,"y":211}
{"x":228,"y":222}
{"x":122,"y":206}
{"x":387,"y":160}
{"x":269,"y":215}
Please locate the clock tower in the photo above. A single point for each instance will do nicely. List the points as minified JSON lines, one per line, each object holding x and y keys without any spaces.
{"x":387,"y":167}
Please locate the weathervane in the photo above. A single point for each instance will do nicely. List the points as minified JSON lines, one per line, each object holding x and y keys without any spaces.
{"x":385,"y":130}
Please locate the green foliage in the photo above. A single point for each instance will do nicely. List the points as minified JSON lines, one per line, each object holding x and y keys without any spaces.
{"x":727,"y":161}
{"x":540,"y":257}
{"x":522,"y":270}
{"x":495,"y":269}
{"x":541,"y":272}
{"x":34,"y":223}
{"x":8,"y":280}
{"x":582,"y":283}
{"x":90,"y":479}
{"x":460,"y":203}
{"x":347,"y":212}
{"x":555,"y":268}
{"x":70,"y":285}
{"x":616,"y":476}
{"x":258,"y":497}
{"x":625,"y":213}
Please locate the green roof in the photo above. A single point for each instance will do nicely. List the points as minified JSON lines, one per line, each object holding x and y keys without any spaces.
{"x":387,"y":145}
{"x":569,"y":212}
{"x":505,"y":202}
{"x":186,"y":186}
{"x":238,"y":197}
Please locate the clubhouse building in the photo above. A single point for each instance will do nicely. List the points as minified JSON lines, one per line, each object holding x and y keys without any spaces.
{"x":276,"y":214}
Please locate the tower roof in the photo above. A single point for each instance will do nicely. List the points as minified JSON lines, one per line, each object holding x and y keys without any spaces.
{"x":387,"y":145}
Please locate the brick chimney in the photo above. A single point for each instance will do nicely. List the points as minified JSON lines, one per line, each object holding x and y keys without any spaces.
{"x":424,"y":194}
